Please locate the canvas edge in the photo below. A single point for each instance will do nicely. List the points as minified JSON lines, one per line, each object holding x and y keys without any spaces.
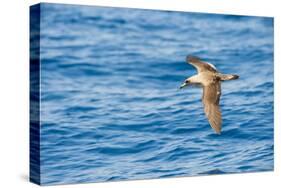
{"x":34,"y":94}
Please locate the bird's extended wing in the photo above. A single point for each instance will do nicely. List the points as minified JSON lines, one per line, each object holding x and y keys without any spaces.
{"x":210,"y":99}
{"x":199,"y":65}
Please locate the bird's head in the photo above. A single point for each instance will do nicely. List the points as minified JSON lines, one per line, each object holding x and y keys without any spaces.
{"x":185,"y":83}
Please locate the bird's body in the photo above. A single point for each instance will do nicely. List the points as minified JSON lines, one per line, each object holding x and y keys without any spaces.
{"x":203,"y":78}
{"x":210,"y":79}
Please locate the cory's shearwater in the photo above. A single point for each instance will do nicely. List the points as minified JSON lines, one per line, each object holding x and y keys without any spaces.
{"x":210,"y":79}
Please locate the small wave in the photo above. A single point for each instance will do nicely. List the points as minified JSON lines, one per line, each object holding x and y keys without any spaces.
{"x":124,"y":150}
{"x":212,"y":172}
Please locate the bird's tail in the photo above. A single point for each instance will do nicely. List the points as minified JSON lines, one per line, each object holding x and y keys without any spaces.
{"x":224,"y":77}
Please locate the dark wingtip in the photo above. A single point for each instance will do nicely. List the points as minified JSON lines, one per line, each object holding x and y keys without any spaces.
{"x":235,"y":77}
{"x":191,"y":58}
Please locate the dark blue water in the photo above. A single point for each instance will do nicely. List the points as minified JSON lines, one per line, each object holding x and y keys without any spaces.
{"x":111,"y":108}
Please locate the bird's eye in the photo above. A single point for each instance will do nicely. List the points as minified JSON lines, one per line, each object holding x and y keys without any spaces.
{"x":186,"y":81}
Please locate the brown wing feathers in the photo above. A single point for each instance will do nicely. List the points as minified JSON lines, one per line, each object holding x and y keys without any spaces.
{"x":210,"y":99}
{"x":199,"y":65}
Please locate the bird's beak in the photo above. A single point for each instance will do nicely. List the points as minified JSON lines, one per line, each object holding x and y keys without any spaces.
{"x":183,"y":85}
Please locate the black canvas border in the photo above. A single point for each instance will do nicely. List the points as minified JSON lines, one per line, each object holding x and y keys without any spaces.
{"x":34,"y":95}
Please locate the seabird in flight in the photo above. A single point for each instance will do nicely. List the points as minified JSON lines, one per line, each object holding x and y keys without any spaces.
{"x":210,"y":79}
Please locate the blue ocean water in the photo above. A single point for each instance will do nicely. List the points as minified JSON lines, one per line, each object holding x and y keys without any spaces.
{"x":110,"y":104}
